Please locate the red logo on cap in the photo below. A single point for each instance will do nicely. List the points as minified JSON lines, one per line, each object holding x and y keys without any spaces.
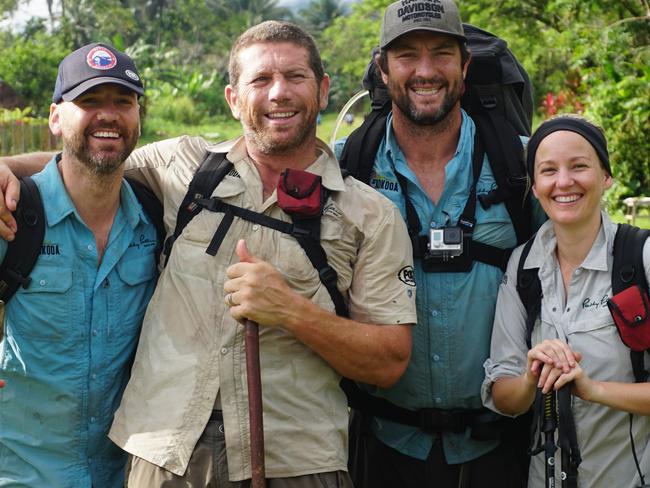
{"x":101,"y":58}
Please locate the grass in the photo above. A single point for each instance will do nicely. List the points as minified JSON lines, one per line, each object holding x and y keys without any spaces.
{"x":221,"y":129}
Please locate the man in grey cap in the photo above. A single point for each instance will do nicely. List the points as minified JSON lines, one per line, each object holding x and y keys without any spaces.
{"x":424,"y":161}
{"x":72,"y":330}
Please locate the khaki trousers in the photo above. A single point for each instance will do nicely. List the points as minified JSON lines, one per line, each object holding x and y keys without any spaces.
{"x":208,"y":468}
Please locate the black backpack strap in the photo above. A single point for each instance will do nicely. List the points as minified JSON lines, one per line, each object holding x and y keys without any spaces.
{"x":211,"y":172}
{"x":151,"y":206}
{"x":627,"y":270}
{"x":360,"y":150}
{"x":529,"y":289}
{"x":505,"y":153}
{"x":24,"y":250}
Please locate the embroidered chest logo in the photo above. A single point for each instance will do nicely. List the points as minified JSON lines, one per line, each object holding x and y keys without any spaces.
{"x":50,"y":249}
{"x":143,"y":242}
{"x":381,"y":183}
{"x":594,"y":303}
{"x":332,"y":210}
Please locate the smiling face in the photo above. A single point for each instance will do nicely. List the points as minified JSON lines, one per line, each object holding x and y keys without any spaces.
{"x":569,"y":179}
{"x":99,"y":128}
{"x":277,"y":97}
{"x":425,"y":76}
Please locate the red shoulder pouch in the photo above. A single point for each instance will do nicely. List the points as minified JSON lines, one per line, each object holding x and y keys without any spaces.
{"x":630,"y":310}
{"x":300,"y":193}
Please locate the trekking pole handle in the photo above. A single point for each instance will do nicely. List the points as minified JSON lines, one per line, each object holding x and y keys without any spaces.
{"x":254,"y":380}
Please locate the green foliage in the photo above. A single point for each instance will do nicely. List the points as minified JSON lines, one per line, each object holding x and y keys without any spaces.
{"x":30,"y":66}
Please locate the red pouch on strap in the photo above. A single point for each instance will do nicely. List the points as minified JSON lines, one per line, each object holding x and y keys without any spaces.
{"x":300,"y":193}
{"x":631,"y":312}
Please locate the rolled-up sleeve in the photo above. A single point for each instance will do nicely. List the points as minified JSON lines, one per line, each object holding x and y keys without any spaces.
{"x":508,"y":349}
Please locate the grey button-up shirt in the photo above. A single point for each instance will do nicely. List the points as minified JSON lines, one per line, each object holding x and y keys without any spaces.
{"x":584,"y":322}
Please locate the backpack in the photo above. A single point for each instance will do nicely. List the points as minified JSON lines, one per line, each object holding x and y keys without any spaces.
{"x":499,"y":99}
{"x":24,"y":250}
{"x":306,"y":230}
{"x":628,"y":271}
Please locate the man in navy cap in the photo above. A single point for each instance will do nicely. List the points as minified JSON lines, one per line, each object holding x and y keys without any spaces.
{"x":70,"y":336}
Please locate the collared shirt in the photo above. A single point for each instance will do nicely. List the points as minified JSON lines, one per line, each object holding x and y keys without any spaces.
{"x":192,"y":348}
{"x":69,"y":342}
{"x":583,"y":320}
{"x":455,"y":310}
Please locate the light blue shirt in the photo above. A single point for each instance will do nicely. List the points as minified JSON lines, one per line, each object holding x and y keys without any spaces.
{"x":451,"y":340}
{"x":69,"y":343}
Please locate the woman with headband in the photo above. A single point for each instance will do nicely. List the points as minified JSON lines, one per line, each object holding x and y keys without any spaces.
{"x":574,"y":338}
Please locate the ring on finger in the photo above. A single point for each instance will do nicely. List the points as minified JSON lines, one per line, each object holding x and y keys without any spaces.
{"x":230,"y":300}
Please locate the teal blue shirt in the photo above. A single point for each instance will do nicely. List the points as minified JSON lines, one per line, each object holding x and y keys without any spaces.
{"x":69,"y":343}
{"x":451,"y":340}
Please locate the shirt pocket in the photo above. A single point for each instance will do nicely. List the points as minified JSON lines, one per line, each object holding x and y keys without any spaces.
{"x":137,"y":282}
{"x":44,"y":310}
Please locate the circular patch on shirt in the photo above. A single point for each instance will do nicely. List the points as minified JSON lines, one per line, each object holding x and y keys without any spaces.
{"x":132,"y":75}
{"x":407,"y":276}
{"x":101,"y":58}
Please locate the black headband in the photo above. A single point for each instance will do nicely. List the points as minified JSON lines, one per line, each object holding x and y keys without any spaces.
{"x":579,"y":126}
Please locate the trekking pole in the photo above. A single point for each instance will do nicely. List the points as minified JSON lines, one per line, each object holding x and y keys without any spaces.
{"x":253,"y":374}
{"x":548,"y":427}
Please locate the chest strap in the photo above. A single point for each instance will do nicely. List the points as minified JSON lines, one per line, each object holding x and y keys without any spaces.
{"x":475,"y":250}
{"x":305,"y":230}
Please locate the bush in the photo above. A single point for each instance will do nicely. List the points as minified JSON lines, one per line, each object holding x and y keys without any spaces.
{"x":181,"y":109}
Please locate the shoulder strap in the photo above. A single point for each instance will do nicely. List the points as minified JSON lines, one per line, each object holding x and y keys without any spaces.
{"x":530,"y":291}
{"x":628,"y":270}
{"x":505,"y":153}
{"x":358,"y":156}
{"x":24,"y":250}
{"x":151,"y":206}
{"x":212,"y":170}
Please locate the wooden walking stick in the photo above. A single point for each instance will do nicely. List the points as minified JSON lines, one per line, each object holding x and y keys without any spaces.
{"x":253,"y":373}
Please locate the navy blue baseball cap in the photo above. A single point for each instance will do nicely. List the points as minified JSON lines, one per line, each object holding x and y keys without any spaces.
{"x":92,"y":65}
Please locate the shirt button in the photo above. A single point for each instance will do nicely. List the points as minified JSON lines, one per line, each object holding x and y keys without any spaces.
{"x":434,"y":313}
{"x":94,"y":332}
{"x":42,"y":282}
{"x":92,"y":419}
{"x":438,"y":400}
{"x":93,"y":376}
{"x":554,"y":309}
{"x":436,"y":357}
{"x":224,"y":350}
{"x":90,"y":247}
{"x":568,"y":309}
{"x":256,"y":227}
{"x":106,"y":283}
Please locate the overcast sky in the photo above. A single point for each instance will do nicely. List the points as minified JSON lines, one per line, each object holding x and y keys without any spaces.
{"x":39,"y":8}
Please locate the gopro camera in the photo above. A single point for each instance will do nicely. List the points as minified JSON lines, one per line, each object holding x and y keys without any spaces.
{"x":445,"y":243}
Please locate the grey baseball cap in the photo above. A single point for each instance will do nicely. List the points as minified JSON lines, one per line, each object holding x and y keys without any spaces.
{"x":406,"y":16}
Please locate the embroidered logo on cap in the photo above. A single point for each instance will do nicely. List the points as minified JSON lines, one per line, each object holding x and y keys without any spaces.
{"x":131,"y":75}
{"x":101,"y":58}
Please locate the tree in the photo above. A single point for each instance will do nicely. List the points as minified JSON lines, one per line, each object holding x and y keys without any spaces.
{"x":319,"y":15}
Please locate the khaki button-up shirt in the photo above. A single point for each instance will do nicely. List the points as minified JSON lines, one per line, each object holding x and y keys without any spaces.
{"x":585,"y":323}
{"x":191,"y":348}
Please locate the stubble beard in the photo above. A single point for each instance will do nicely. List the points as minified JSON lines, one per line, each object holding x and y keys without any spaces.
{"x":95,"y":162}
{"x":264,"y":141}
{"x":439,"y":116}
